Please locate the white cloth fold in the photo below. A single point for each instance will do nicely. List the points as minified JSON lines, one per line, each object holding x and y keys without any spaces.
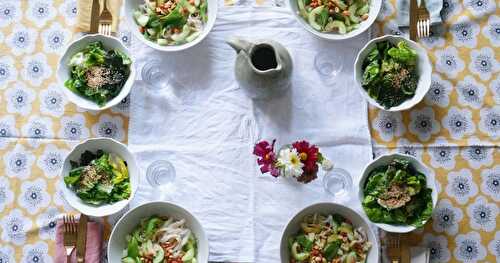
{"x":206,"y":126}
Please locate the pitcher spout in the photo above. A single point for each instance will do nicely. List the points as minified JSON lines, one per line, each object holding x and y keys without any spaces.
{"x":239,"y":44}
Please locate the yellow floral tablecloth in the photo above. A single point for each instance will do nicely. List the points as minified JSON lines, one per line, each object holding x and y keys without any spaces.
{"x":455,"y":130}
{"x":38,"y":125}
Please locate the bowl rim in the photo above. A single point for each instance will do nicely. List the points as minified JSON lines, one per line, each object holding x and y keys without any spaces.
{"x":418,"y":97}
{"x":377,"y":4}
{"x":132,"y":192}
{"x":172,"y":48}
{"x":375,"y":243}
{"x":126,"y":88}
{"x":166,"y":204}
{"x":431,"y":180}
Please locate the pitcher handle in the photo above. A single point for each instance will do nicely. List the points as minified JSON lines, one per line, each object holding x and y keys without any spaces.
{"x":239,"y":44}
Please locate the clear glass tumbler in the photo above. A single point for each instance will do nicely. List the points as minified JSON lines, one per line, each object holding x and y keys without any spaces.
{"x":154,"y":76}
{"x":160,"y":175}
{"x":328,"y":65}
{"x":338,"y":183}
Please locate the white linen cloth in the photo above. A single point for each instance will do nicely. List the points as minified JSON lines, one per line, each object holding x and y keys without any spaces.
{"x":207,"y":127}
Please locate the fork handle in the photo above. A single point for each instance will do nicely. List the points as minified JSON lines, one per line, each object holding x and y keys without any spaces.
{"x":413,"y":20}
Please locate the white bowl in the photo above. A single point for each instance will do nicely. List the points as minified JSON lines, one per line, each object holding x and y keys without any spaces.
{"x":132,"y":218}
{"x":63,"y":70}
{"x":131,"y":6}
{"x":110,"y":146}
{"x":419,"y":166}
{"x":375,"y":6}
{"x":293,"y":227}
{"x":424,"y":72}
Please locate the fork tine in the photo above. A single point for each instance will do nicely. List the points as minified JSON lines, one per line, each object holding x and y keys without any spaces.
{"x":73,"y":224}
{"x":418,"y":29}
{"x":428,"y":27}
{"x":65,"y":223}
{"x":70,"y":217}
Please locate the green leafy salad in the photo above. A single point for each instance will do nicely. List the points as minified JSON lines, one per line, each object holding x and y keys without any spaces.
{"x":337,"y":16}
{"x":99,"y":178}
{"x":98,"y":74}
{"x":330,"y":238}
{"x":390,"y":73}
{"x":397,"y":194}
{"x":171,"y":22}
{"x":161,"y":239}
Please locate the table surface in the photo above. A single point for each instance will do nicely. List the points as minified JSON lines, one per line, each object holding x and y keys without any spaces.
{"x":454,"y":130}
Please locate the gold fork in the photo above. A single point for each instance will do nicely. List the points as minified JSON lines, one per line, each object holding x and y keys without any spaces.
{"x":105,"y":21}
{"x":69,"y":235}
{"x":423,"y":21}
{"x":393,"y":248}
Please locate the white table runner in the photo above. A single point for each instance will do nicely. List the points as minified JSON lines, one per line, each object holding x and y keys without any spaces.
{"x":207,"y":127}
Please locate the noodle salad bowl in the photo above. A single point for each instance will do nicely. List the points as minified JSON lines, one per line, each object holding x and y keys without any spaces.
{"x":160,"y":229}
{"x":339,"y":224}
{"x":172,"y":25}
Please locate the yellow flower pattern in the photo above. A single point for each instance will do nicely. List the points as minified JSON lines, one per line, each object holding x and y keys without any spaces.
{"x":38,"y":126}
{"x":455,"y":130}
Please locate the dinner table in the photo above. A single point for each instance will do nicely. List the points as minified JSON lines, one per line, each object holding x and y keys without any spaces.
{"x":455,"y":130}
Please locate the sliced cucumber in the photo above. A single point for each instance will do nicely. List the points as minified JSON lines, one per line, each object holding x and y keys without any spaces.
{"x":162,"y":42}
{"x":312,"y":17}
{"x":160,"y":254}
{"x":142,"y":20}
{"x":189,"y":255}
{"x":184,"y":3}
{"x":352,"y":13}
{"x":340,"y":4}
{"x":302,"y":9}
{"x":363,"y":10}
{"x":193,"y":36}
{"x":336,"y":24}
{"x":151,"y":32}
{"x":352,"y":27}
{"x":180,"y":37}
{"x":197,"y":3}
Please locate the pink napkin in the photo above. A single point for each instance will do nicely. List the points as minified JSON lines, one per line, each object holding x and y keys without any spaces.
{"x":93,"y":244}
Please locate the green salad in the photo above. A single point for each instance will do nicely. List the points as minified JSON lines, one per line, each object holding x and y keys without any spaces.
{"x":171,"y":22}
{"x":397,"y":194}
{"x":98,"y":74}
{"x":161,"y":239}
{"x":331,"y":238}
{"x":337,"y":16}
{"x":390,"y":73}
{"x":99,"y":178}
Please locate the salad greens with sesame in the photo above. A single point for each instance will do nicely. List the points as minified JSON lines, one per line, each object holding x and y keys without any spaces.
{"x":98,"y":74}
{"x":99,"y":178}
{"x":397,"y":194}
{"x":390,"y":73}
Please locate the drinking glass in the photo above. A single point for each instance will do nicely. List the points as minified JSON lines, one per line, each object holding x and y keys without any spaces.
{"x":153,"y":75}
{"x":160,"y":175}
{"x":338,"y":182}
{"x":328,"y":65}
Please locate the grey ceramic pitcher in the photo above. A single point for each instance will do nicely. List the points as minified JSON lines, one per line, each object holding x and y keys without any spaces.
{"x":263,"y":68}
